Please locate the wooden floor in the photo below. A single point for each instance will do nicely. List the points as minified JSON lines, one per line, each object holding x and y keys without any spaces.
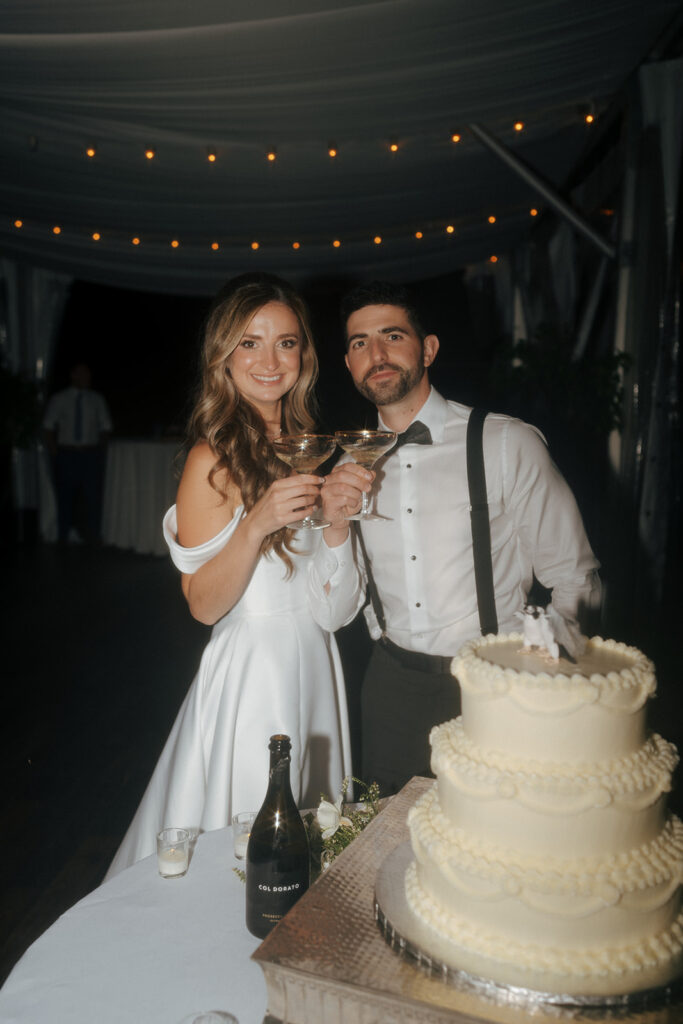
{"x":99,"y":650}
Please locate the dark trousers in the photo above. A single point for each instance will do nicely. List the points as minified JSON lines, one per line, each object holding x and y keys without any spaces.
{"x":399,"y":708}
{"x":78,"y":478}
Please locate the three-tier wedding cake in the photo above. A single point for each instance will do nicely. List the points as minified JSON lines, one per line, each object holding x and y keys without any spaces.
{"x":545,"y":856}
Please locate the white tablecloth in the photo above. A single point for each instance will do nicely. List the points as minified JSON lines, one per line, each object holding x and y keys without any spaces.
{"x":140,"y":484}
{"x":145,"y":950}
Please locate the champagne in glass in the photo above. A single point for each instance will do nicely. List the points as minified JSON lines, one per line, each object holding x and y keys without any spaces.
{"x":304,"y":453}
{"x":365,"y":446}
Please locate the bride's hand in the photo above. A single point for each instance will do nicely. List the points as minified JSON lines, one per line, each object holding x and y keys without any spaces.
{"x":291,"y":497}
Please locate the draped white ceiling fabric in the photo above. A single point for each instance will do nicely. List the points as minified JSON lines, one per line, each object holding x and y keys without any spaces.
{"x":242,"y":76}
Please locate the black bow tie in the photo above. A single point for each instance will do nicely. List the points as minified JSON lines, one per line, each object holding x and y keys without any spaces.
{"x":417,"y":433}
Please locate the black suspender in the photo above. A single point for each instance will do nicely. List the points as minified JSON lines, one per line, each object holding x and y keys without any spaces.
{"x":481,"y":527}
{"x":481,"y":533}
{"x":373,"y":593}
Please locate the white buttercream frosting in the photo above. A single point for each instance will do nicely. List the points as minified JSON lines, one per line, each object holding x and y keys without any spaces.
{"x":544,"y":855}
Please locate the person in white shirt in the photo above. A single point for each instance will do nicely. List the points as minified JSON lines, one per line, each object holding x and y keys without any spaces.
{"x":76,"y":424}
{"x":421,"y":556}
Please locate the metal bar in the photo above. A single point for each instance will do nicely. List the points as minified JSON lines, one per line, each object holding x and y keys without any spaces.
{"x":548,"y":193}
{"x":588,"y":318}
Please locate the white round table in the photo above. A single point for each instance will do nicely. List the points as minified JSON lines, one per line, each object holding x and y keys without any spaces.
{"x":145,"y":950}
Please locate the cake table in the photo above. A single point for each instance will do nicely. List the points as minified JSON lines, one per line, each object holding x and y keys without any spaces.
{"x":327,"y":961}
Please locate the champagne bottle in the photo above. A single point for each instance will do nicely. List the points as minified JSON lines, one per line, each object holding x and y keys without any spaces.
{"x":277,"y":858}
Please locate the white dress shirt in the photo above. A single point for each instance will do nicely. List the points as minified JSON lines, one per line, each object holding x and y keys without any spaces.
{"x":421,"y":556}
{"x":60,"y":415}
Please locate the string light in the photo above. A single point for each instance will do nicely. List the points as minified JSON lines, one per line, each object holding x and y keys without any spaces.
{"x":336,"y":243}
{"x":56,"y":230}
{"x":519,"y":125}
{"x":492,"y":219}
{"x":90,"y":152}
{"x":96,"y":236}
{"x":450,"y":229}
{"x":377,"y":239}
{"x":533,"y":211}
{"x":135,"y":241}
{"x":418,"y":234}
{"x":150,"y":153}
{"x":589,"y":118}
{"x":296,"y":245}
{"x":332,"y":151}
{"x":175,"y":243}
{"x":493,"y":259}
{"x":215,"y":246}
{"x":18,"y":223}
{"x":393,"y":146}
{"x":255,"y":246}
{"x":271,"y":154}
{"x":211,"y":155}
{"x":455,"y":138}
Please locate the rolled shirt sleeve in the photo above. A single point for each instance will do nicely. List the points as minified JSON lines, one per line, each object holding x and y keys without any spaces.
{"x":336,"y":586}
{"x":548,"y":524}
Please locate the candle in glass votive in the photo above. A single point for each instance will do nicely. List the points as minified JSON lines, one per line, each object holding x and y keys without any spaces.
{"x":240,"y":846}
{"x":241,"y":827}
{"x":173,"y":849}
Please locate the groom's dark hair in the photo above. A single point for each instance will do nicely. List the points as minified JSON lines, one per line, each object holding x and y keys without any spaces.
{"x":381,"y":293}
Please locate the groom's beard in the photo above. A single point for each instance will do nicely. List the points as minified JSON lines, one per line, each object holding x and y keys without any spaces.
{"x":386,"y":392}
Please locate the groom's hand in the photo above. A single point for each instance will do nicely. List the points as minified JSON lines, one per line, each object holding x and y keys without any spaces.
{"x":341,"y":495}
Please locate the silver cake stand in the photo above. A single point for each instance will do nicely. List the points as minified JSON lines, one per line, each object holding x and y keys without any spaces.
{"x":408,"y":936}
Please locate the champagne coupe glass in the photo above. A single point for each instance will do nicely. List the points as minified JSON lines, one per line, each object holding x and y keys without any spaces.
{"x":365,"y":446}
{"x":304,"y":453}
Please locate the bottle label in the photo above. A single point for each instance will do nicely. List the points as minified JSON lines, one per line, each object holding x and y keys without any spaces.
{"x":270,"y":894}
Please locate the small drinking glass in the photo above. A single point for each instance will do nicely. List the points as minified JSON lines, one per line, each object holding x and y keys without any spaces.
{"x":241,"y":827}
{"x":173,"y":852}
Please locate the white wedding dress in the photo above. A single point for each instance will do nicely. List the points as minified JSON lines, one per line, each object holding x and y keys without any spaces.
{"x":268,"y":668}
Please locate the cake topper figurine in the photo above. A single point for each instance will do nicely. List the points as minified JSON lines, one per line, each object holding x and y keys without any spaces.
{"x":538,"y":633}
{"x":547,"y":632}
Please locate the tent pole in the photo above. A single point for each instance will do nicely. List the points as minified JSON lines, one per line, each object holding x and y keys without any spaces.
{"x":548,"y":193}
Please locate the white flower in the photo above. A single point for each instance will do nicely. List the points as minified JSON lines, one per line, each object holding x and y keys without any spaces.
{"x":330,"y":817}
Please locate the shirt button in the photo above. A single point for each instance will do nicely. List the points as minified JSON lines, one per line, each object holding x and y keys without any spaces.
{"x":413,"y":557}
{"x":409,"y":510}
{"x":417,"y":604}
{"x":409,"y":466}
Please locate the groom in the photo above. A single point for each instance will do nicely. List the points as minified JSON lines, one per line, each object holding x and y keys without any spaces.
{"x":418,"y":564}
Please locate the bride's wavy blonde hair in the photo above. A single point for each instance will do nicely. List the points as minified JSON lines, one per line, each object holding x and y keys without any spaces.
{"x":232,"y":426}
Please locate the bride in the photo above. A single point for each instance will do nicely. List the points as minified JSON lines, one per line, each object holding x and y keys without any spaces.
{"x":268,"y":667}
